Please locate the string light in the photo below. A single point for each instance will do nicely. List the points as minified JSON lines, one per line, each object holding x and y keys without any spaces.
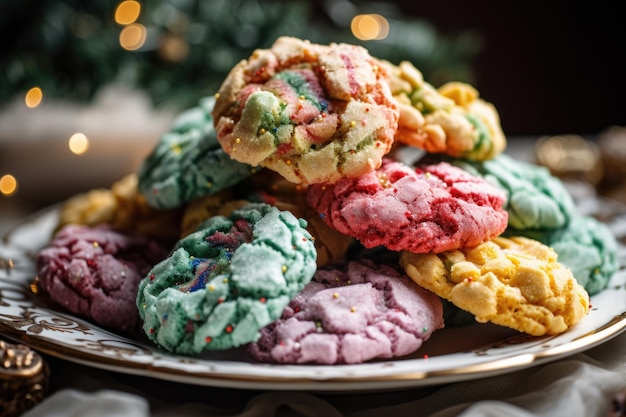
{"x":78,"y":143}
{"x":127,"y":12}
{"x":368,"y":27}
{"x":173,"y":48}
{"x":8,"y":185}
{"x":33,"y":97}
{"x":133,"y":36}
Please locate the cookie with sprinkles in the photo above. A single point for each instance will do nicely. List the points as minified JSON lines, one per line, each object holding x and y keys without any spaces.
{"x":433,"y":208}
{"x":188,"y":162}
{"x":351,"y":314}
{"x":226,"y":281}
{"x":94,"y":272}
{"x":313,"y":113}
{"x":451,"y":120}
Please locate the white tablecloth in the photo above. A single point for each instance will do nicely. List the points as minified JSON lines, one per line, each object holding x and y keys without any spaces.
{"x":581,"y":385}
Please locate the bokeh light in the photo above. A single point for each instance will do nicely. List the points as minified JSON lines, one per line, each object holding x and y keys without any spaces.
{"x":127,"y":12}
{"x":78,"y":143}
{"x":33,"y":97}
{"x":367,"y":27}
{"x":173,"y":48}
{"x":133,"y":36}
{"x":8,"y":185}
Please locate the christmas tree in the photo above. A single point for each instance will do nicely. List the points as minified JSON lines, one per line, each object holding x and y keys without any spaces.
{"x":183,"y":49}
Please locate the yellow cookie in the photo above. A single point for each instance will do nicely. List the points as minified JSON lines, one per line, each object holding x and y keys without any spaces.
{"x":200,"y":209}
{"x":123,"y":208}
{"x":514,"y":282}
{"x":452,"y":119}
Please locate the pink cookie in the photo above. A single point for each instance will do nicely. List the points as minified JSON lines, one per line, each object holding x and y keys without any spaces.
{"x":351,"y":315}
{"x":434,"y":208}
{"x":95,"y":271}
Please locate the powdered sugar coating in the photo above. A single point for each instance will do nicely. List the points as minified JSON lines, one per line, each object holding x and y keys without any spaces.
{"x":429,"y":209}
{"x":188,"y":162}
{"x":351,"y":315}
{"x":224,"y":282}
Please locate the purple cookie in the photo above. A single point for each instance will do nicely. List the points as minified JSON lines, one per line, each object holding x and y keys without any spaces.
{"x":434,"y":208}
{"x":351,"y":315}
{"x":95,"y":271}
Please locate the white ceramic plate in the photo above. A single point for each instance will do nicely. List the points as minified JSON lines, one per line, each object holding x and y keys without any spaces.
{"x":451,"y":355}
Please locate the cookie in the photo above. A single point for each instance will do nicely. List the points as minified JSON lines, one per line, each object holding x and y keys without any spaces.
{"x":535,"y":198}
{"x":94,"y":272}
{"x":199,"y":210}
{"x":188,"y":162}
{"x":351,"y":315}
{"x":269,"y":187}
{"x":123,"y":208}
{"x":586,"y":246}
{"x":514,"y":282}
{"x":451,"y":120}
{"x":433,"y":208}
{"x":226,"y":281}
{"x":313,"y":113}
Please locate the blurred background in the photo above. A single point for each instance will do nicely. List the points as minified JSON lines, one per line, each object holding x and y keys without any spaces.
{"x":87,"y":88}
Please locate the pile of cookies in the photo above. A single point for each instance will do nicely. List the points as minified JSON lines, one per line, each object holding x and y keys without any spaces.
{"x":327,"y":207}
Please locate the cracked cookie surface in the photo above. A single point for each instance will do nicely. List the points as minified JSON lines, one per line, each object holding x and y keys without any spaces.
{"x":514,"y":282}
{"x":313,"y":113}
{"x":224,"y":282}
{"x":433,"y":208}
{"x":351,"y":315}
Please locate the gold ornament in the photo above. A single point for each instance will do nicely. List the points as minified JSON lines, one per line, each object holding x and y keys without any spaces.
{"x":23,"y":379}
